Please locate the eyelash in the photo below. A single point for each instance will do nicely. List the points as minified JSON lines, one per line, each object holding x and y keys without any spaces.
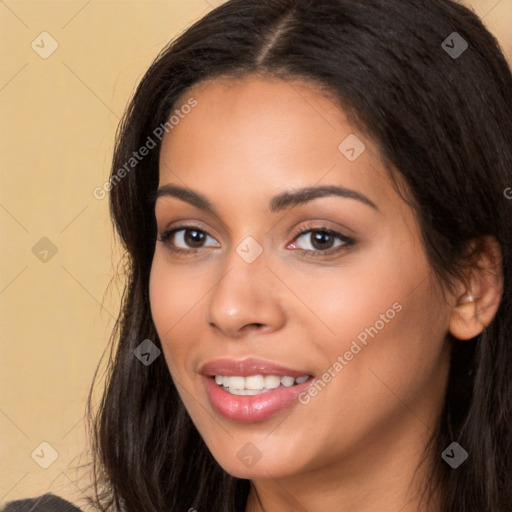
{"x":166,"y":236}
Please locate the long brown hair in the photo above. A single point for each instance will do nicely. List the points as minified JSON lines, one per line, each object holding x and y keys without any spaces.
{"x":443,"y":120}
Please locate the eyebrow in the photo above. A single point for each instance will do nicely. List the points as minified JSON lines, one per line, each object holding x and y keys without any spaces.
{"x":278,"y":203}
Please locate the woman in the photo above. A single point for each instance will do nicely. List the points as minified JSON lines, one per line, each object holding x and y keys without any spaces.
{"x":312,"y":196}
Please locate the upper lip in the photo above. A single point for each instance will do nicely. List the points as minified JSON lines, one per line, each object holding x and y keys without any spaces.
{"x":247,"y":367}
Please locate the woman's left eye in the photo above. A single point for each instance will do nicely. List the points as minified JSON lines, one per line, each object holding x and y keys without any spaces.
{"x":322,"y":241}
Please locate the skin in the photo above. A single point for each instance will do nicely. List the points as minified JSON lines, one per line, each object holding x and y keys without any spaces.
{"x":355,"y":446}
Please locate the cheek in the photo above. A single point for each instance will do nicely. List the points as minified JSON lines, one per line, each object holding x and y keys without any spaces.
{"x":389,"y":349}
{"x":382,"y":326}
{"x":173,"y":301}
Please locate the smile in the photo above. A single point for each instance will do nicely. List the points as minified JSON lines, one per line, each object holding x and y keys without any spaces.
{"x":252,"y":390}
{"x":256,"y":384}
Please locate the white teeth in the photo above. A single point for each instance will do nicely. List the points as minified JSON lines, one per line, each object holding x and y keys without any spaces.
{"x":272,"y":381}
{"x":287,"y":381}
{"x":255,"y":384}
{"x":237,"y":383}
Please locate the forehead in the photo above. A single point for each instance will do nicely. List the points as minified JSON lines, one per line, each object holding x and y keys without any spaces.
{"x":260,"y":109}
{"x":257,"y":135}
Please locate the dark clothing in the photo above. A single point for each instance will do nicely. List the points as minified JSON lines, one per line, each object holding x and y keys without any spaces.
{"x":44,"y":503}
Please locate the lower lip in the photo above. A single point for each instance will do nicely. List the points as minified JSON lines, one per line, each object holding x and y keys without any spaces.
{"x":252,"y":408}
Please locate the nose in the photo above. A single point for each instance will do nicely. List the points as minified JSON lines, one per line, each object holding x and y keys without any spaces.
{"x":245,"y":299}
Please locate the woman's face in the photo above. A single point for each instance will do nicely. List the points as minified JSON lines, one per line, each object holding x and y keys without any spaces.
{"x":260,"y":288}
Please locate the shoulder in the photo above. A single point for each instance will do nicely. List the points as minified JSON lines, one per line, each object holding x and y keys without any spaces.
{"x":44,"y":503}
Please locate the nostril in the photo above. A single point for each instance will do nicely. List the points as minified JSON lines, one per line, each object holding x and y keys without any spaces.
{"x":253,"y":326}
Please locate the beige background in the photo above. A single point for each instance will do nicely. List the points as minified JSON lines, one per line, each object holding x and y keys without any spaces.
{"x":57,"y":121}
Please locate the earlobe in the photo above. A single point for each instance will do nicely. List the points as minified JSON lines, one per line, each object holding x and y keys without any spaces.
{"x":464,"y":320}
{"x":477,"y":305}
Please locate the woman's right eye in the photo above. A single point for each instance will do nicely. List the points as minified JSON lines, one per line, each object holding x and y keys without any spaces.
{"x":186,"y":239}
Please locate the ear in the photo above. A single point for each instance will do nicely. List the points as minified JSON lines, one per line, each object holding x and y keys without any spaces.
{"x":477,"y":299}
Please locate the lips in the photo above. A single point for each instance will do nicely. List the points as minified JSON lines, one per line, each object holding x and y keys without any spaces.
{"x":247,"y":367}
{"x":247,"y":408}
